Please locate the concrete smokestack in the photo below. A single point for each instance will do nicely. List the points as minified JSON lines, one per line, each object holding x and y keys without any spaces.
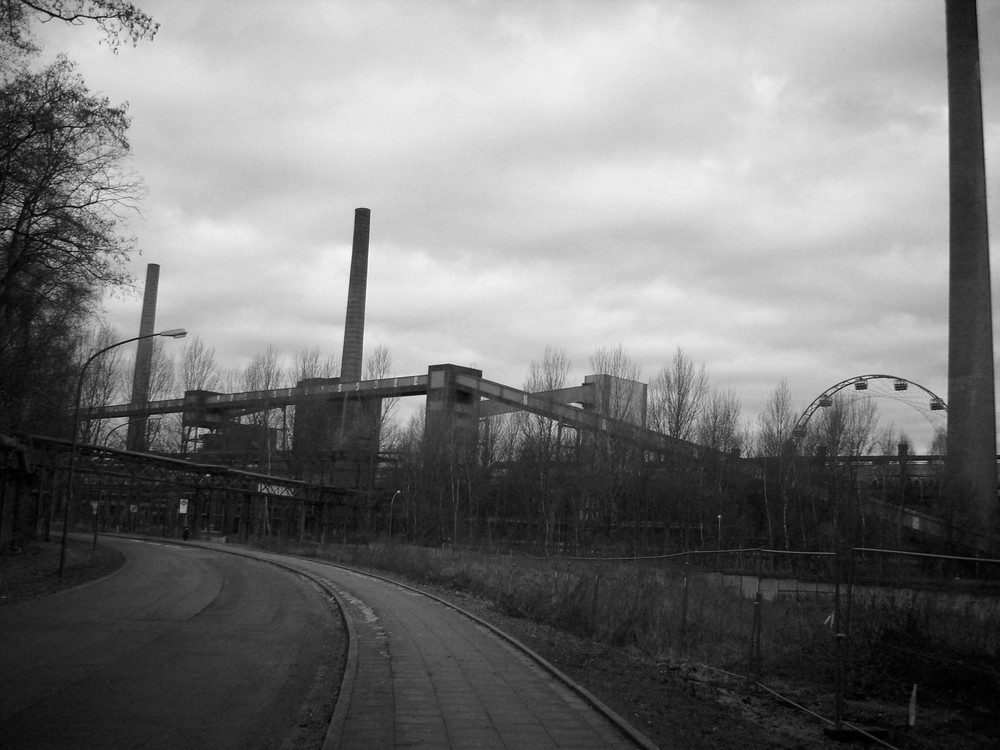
{"x":144,"y":359}
{"x":971,"y":461}
{"x":352,"y":361}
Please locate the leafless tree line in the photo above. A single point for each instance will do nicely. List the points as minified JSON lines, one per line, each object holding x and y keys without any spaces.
{"x":540,"y":482}
{"x":533,"y":479}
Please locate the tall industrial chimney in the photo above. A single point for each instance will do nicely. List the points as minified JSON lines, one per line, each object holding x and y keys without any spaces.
{"x":352,"y":361}
{"x":136,"y":440}
{"x":971,"y":461}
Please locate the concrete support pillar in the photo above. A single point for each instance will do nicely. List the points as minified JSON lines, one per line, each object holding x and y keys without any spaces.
{"x":971,"y":461}
{"x":451,"y":422}
{"x":136,"y":440}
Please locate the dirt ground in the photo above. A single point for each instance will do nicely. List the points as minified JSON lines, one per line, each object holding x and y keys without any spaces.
{"x":674,"y":705}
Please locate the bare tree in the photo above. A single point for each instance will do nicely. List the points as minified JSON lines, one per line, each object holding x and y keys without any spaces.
{"x":64,"y":190}
{"x":500,"y":438}
{"x":64,"y":186}
{"x":199,"y":370}
{"x":411,"y":477}
{"x":379,"y":365}
{"x":263,"y":373}
{"x":120,"y":21}
{"x":847,"y":427}
{"x":886,"y":440}
{"x":774,"y":433}
{"x":677,"y":396}
{"x":621,"y":400}
{"x":719,"y":427}
{"x":776,"y":421}
{"x":308,"y":364}
{"x":313,"y":363}
{"x":102,"y":379}
{"x":163,"y":433}
{"x":538,"y":440}
{"x":162,"y":372}
{"x":231,"y":380}
{"x":551,"y":373}
{"x":539,"y":434}
{"x":939,"y":443}
{"x":615,"y":464}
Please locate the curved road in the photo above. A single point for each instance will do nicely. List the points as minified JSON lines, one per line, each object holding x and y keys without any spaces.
{"x":183,"y":648}
{"x":192,"y":647}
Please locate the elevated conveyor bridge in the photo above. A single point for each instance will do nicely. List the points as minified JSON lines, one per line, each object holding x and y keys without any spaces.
{"x":574,"y":407}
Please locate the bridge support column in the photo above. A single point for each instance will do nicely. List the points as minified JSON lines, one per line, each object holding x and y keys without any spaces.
{"x":452,"y":414}
{"x":451,"y":431}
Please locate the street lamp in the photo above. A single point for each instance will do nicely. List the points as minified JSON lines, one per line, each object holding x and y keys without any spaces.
{"x":391,"y":502}
{"x":172,"y":333}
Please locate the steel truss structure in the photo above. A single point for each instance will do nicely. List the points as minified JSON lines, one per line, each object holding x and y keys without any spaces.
{"x":167,"y":493}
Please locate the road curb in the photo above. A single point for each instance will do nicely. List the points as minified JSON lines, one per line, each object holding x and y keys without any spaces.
{"x":339,"y":718}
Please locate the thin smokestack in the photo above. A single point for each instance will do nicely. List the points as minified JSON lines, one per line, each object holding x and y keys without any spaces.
{"x":144,"y":358}
{"x":971,"y":461}
{"x":351,"y":362}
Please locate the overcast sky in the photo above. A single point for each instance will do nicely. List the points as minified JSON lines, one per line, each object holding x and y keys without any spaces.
{"x":763,"y":184}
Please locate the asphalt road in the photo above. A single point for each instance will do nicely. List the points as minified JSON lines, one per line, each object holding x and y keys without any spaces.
{"x":185,"y":647}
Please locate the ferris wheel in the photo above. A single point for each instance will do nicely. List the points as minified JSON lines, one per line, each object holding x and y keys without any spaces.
{"x":923,"y":400}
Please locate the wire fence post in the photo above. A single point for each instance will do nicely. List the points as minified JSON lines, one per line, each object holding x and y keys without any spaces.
{"x":848,"y":677}
{"x":755,"y":634}
{"x":595,"y":598}
{"x":838,"y":636}
{"x":684,"y":601}
{"x":753,"y":659}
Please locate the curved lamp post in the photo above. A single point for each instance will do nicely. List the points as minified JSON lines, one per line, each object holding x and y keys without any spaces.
{"x":173,"y":333}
